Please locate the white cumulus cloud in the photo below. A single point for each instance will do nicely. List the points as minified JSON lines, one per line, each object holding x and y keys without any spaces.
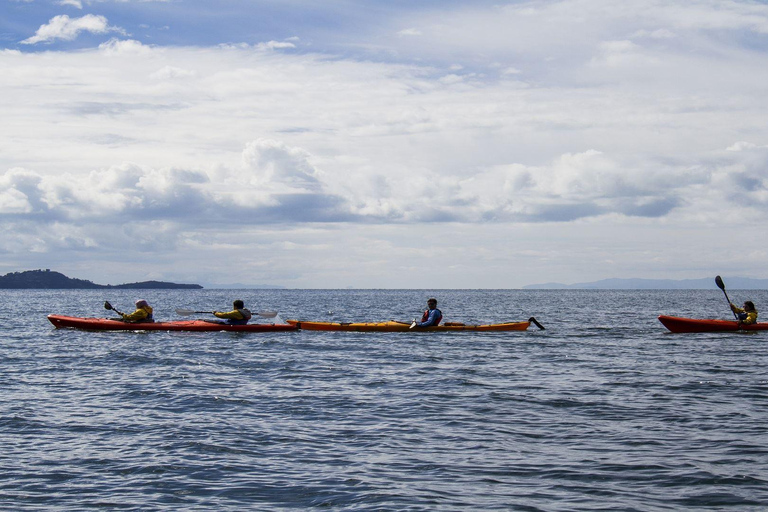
{"x":66,"y":28}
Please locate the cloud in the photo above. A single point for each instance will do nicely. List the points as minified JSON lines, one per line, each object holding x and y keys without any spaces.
{"x":275,"y":45}
{"x":123,"y":46}
{"x":66,"y":28}
{"x":537,"y":132}
{"x":276,"y":183}
{"x":74,"y":3}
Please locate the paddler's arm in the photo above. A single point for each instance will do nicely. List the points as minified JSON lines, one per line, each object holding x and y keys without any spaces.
{"x":229,"y":315}
{"x":136,"y":316}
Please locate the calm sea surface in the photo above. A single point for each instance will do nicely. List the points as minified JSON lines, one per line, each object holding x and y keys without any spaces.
{"x":604,"y":410}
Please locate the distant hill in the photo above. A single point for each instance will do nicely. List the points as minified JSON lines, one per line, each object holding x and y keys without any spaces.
{"x":50,"y":280}
{"x":731,"y":283}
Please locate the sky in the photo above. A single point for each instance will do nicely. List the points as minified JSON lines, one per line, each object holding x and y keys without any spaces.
{"x":384,"y":144}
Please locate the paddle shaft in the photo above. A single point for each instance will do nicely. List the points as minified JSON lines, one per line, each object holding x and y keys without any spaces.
{"x":187,"y":312}
{"x":720,"y":284}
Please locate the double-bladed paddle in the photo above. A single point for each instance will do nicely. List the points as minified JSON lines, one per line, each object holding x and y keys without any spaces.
{"x":187,"y":312}
{"x":720,"y":284}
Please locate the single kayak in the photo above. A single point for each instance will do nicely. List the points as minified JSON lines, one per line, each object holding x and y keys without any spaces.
{"x":677,"y":324}
{"x":393,"y":326}
{"x":105,"y":324}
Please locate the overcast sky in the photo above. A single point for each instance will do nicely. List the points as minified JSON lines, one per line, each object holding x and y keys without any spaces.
{"x":372,"y":144}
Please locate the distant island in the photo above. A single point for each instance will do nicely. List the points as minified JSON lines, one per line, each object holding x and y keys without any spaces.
{"x":50,"y":280}
{"x":707,"y":283}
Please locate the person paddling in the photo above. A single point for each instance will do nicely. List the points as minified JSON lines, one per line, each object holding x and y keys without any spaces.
{"x":431,"y":316}
{"x":238,"y":316}
{"x":143,"y":313}
{"x":746,"y":315}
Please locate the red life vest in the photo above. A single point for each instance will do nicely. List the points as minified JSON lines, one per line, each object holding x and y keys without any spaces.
{"x":425,"y":316}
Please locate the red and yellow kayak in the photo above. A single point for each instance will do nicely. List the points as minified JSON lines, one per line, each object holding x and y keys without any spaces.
{"x":105,"y":324}
{"x":393,"y":326}
{"x":678,"y":324}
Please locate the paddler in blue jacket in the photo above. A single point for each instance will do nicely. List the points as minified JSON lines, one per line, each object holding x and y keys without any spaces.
{"x":143,"y":313}
{"x":431,"y":316}
{"x":746,"y":315}
{"x":238,"y":316}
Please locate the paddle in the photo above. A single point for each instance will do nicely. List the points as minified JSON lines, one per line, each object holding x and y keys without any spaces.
{"x":108,"y":306}
{"x":187,"y":312}
{"x":720,"y":284}
{"x":536,"y":323}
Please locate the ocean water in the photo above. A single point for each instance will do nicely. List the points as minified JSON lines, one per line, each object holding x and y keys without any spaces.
{"x":603,"y":410}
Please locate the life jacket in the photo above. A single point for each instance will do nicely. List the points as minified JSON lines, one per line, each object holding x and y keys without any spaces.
{"x":748,"y":317}
{"x":246,"y":316}
{"x":137,"y":317}
{"x":439,"y":317}
{"x":744,"y":316}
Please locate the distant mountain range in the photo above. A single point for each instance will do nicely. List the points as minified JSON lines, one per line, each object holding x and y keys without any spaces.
{"x":731,"y":283}
{"x":49,"y":280}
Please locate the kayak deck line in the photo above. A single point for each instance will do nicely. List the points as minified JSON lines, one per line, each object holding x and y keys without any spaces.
{"x":106,"y":324}
{"x":689,"y":325}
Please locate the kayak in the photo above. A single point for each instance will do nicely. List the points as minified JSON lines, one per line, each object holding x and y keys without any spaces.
{"x":677,"y":324}
{"x":393,"y":326}
{"x":105,"y":324}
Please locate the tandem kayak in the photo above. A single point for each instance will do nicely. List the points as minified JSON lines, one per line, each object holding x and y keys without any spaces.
{"x":677,"y":324}
{"x":105,"y":324}
{"x":393,"y":326}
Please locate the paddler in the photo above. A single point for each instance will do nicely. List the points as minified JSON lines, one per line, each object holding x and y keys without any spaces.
{"x":238,"y":316}
{"x":746,"y":315}
{"x":142,"y":314}
{"x":431,"y":316}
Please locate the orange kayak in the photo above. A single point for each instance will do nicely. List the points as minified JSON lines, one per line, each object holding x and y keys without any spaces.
{"x":393,"y":326}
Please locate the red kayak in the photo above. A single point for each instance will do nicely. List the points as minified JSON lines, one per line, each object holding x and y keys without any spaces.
{"x":677,"y":324}
{"x":105,"y":324}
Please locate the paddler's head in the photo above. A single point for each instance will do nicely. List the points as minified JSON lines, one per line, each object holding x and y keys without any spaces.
{"x":432,"y":303}
{"x":238,"y":304}
{"x":749,"y":306}
{"x":141,"y":303}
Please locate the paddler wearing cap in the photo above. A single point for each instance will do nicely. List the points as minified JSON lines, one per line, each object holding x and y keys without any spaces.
{"x":142,"y":314}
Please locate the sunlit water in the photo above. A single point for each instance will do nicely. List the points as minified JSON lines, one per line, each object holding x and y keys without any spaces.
{"x":604,"y":410}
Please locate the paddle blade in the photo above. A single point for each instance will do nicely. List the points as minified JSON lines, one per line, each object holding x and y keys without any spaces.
{"x":267,"y":314}
{"x":719,"y":282}
{"x":536,"y":323}
{"x":187,"y":312}
{"x":107,"y":305}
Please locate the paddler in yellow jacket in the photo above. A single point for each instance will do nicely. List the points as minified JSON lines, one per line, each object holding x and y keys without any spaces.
{"x":747,"y":314}
{"x":143,"y":313}
{"x":238,"y":316}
